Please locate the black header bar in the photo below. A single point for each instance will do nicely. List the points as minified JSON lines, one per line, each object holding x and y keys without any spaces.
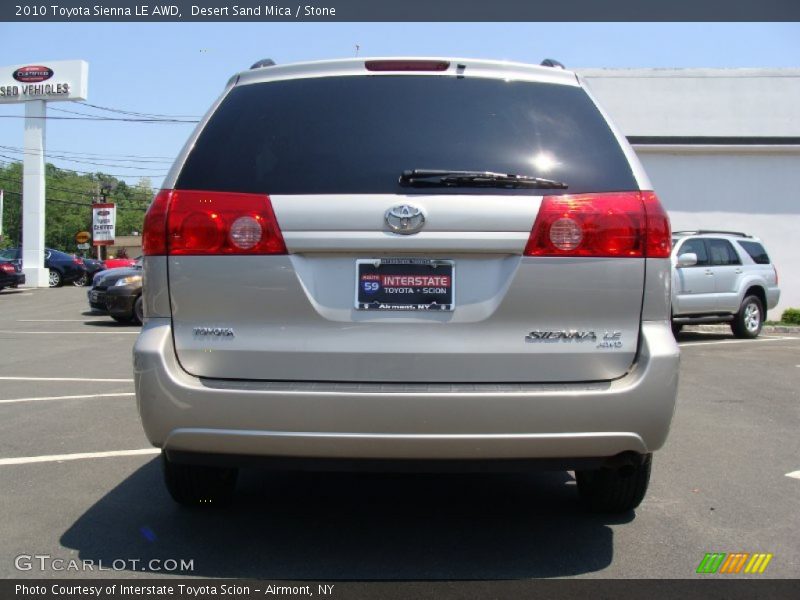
{"x":400,"y":10}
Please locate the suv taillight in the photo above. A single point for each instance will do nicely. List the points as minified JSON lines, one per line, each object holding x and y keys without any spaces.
{"x":615,"y":224}
{"x":189,"y":222}
{"x":7,"y":268}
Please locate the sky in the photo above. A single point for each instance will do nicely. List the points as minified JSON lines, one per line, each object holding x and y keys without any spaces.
{"x":180,"y":68}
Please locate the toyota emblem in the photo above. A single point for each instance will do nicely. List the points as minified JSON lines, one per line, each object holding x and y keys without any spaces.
{"x":405,"y":219}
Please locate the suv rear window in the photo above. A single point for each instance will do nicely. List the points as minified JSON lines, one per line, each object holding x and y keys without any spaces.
{"x":756,"y":252}
{"x":356,"y":134}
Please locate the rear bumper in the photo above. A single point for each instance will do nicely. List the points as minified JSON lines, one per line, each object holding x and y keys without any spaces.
{"x":12,"y":280}
{"x":186,"y":414}
{"x":773,"y":297}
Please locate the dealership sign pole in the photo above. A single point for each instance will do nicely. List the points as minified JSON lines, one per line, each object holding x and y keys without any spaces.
{"x":36,"y":84}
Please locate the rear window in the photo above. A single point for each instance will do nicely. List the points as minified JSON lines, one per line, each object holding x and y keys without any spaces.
{"x":756,"y":252}
{"x":357,"y":134}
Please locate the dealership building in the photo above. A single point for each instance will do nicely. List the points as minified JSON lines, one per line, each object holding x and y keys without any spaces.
{"x":722,"y":149}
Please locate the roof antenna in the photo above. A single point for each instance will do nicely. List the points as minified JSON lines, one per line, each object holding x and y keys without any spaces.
{"x":265,"y":62}
{"x":357,"y":49}
{"x":551,"y":62}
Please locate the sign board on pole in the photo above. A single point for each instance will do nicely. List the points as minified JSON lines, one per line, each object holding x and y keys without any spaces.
{"x":48,"y":80}
{"x":104,"y":220}
{"x":84,"y":246}
{"x":82,"y":237}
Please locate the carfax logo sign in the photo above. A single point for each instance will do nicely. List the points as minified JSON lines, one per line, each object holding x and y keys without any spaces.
{"x":104,"y":219}
{"x":32,"y":74}
{"x":733,"y":563}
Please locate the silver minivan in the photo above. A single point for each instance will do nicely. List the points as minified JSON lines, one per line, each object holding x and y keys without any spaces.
{"x":407,"y":263}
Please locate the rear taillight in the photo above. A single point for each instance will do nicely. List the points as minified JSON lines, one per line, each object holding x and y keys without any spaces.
{"x":407,"y":65}
{"x":154,"y":232}
{"x":616,"y":224}
{"x":7,"y":268}
{"x":188,"y":222}
{"x":77,"y":261}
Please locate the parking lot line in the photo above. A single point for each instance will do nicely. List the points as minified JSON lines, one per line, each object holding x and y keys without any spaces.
{"x":765,"y":339}
{"x":9,"y":378}
{"x":794,"y":474}
{"x":59,"y":320}
{"x":15,"y":400}
{"x":71,"y":332}
{"x":24,"y":460}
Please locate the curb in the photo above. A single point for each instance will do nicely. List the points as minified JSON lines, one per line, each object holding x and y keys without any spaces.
{"x":726,"y":328}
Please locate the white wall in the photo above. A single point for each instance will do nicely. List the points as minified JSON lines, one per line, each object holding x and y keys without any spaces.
{"x":700,"y":102}
{"x":757,"y":192}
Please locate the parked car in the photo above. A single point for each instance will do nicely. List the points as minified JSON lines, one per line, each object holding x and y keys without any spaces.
{"x":407,"y":262}
{"x":115,"y":263}
{"x":10,"y":274}
{"x":722,"y":277}
{"x":118,"y":292}
{"x":64,"y":268}
{"x":92,"y":266}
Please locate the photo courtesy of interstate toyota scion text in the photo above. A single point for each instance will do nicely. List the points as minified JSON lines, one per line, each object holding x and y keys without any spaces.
{"x":407,"y":263}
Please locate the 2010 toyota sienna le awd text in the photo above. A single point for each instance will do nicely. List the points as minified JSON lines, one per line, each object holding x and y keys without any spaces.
{"x":417,"y":263}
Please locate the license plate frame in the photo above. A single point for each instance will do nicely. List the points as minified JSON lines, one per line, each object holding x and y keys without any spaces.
{"x":418,"y":301}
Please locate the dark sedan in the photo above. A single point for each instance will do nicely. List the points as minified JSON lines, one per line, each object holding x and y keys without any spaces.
{"x":118,"y":292}
{"x":10,"y":274}
{"x":64,"y":268}
{"x":92,"y":266}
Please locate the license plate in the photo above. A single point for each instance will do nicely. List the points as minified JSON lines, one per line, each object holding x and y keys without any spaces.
{"x":405,"y":284}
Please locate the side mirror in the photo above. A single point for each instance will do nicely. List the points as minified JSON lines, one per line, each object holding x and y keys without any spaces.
{"x":687,"y":260}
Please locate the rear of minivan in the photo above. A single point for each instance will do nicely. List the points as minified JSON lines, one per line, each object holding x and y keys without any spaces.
{"x":407,"y":261}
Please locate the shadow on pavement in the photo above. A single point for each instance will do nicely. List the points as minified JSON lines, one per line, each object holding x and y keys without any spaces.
{"x":346,"y":526}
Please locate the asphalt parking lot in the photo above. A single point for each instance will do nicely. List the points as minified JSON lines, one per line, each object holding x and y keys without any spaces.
{"x":79,"y":481}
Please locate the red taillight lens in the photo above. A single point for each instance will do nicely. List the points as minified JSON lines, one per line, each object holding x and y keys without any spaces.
{"x":188,"y":222}
{"x":659,"y":232}
{"x":7,"y":268}
{"x":154,"y":234}
{"x":407,"y":65}
{"x":77,"y":260}
{"x":617,"y":224}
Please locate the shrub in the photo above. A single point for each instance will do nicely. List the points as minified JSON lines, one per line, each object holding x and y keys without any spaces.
{"x":791,"y":315}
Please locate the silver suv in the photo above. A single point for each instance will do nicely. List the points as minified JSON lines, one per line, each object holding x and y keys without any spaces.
{"x":407,"y":263}
{"x":722,"y":277}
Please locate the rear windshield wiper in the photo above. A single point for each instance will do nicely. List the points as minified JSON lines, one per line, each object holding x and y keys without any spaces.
{"x":444,"y":178}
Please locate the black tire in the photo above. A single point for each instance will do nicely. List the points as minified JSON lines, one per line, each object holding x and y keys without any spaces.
{"x":676,"y":328}
{"x":122,"y":319}
{"x":138,"y":311}
{"x":747,"y":323}
{"x":81,"y":281}
{"x":197,"y":485}
{"x":614,"y":490}
{"x":55,"y":279}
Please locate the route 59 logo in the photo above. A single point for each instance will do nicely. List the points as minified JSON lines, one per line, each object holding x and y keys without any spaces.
{"x":371,"y":284}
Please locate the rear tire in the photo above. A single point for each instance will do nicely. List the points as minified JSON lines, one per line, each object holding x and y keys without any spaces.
{"x":81,"y":281}
{"x":614,"y":490}
{"x":747,"y":323}
{"x":197,"y":485}
{"x":122,"y":319}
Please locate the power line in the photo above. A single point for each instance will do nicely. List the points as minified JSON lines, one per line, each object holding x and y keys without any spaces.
{"x":22,"y":148}
{"x":118,"y":119}
{"x":12,"y":158}
{"x":72,"y":202}
{"x":138,"y":114}
{"x":72,"y":191}
{"x":86,"y":162}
